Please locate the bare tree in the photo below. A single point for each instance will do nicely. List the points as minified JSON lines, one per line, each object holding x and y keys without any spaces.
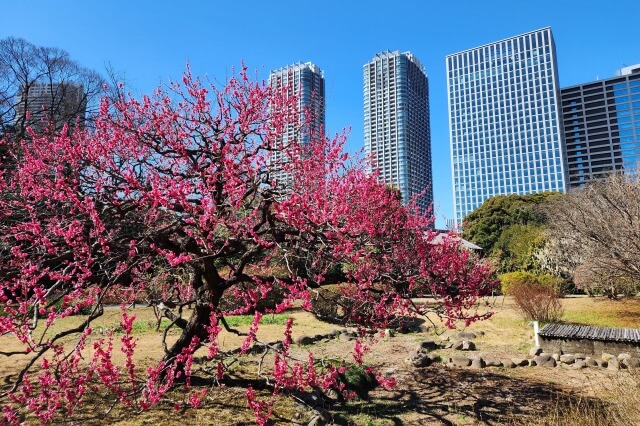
{"x":557,"y":256}
{"x":594,"y":279}
{"x":43,"y":84}
{"x":599,"y":225}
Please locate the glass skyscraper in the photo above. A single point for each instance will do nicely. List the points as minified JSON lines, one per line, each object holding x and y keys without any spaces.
{"x":396,"y":124}
{"x":601,"y":123}
{"x":504,"y":120}
{"x":306,"y":81}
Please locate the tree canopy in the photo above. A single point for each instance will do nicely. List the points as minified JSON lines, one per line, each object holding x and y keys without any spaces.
{"x":595,"y":234}
{"x":174,"y":194}
{"x":509,"y":228}
{"x":24,"y":66}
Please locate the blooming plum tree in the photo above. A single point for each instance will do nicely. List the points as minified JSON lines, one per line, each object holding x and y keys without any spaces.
{"x":173,"y":195}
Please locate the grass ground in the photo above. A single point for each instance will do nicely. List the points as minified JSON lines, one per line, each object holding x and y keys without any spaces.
{"x":432,"y":395}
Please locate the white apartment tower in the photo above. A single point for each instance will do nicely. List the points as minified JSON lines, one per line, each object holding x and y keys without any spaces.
{"x":306,"y":82}
{"x":56,"y":103}
{"x":396,"y":124}
{"x":504,"y":120}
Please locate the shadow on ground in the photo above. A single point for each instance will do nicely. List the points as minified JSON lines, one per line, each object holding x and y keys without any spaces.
{"x":439,"y":395}
{"x":434,"y":395}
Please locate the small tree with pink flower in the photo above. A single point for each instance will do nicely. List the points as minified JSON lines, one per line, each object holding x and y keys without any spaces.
{"x":173,"y":195}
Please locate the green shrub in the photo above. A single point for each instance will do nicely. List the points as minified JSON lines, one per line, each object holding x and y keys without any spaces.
{"x":246,"y":320}
{"x":141,"y":326}
{"x":552,"y":281}
{"x":60,"y":306}
{"x":306,"y":267}
{"x":538,"y":302}
{"x":327,"y":304}
{"x":335,"y":274}
{"x":537,"y":297}
{"x":512,"y":279}
{"x":360,"y":381}
{"x":230,"y":302}
{"x":331,"y":305}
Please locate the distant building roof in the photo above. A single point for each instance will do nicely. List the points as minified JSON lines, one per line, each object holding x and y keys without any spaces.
{"x":464,"y":243}
{"x":570,"y":331}
{"x":633,"y":69}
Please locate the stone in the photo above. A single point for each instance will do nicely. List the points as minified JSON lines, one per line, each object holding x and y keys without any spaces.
{"x":623,"y":356}
{"x":335,"y":332}
{"x":418,"y":359}
{"x":427,"y":345}
{"x":480,"y":333}
{"x":520,"y":362}
{"x":532,"y":363}
{"x":317,"y":420}
{"x":542,"y":359}
{"x":460,"y":361}
{"x":491,"y":362}
{"x":318,"y":337}
{"x":303,"y":339}
{"x":567,"y":359}
{"x":325,"y":340}
{"x":602,"y":363}
{"x":556,"y":357}
{"x":468,"y":345}
{"x":607,"y":357}
{"x":551,"y":363}
{"x":478,"y":363}
{"x":579,"y":364}
{"x":434,"y":357}
{"x":410,"y":325}
{"x":457,"y":346}
{"x":580,"y":355}
{"x":535,"y":351}
{"x":630,"y":363}
{"x":507,"y":363}
{"x":425,"y":328}
{"x":466,"y":335}
{"x":345,"y":337}
{"x":613,"y":364}
{"x":591,"y":362}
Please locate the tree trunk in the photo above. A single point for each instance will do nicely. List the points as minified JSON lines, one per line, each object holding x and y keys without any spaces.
{"x":207,"y":299}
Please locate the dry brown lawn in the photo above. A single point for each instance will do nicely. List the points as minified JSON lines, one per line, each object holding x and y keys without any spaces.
{"x":432,"y":395}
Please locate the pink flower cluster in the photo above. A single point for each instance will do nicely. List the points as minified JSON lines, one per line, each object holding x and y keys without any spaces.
{"x":174,"y":196}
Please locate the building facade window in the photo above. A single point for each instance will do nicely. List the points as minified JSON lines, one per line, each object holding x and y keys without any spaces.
{"x":396,"y":124}
{"x":503,"y":103}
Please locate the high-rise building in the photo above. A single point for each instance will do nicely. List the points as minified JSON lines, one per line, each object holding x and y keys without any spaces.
{"x":56,"y":103}
{"x":396,"y":124}
{"x":601,"y":123}
{"x":306,"y":82}
{"x":504,"y":120}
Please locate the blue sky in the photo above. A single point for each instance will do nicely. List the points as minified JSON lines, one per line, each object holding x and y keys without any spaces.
{"x":150,"y":41}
